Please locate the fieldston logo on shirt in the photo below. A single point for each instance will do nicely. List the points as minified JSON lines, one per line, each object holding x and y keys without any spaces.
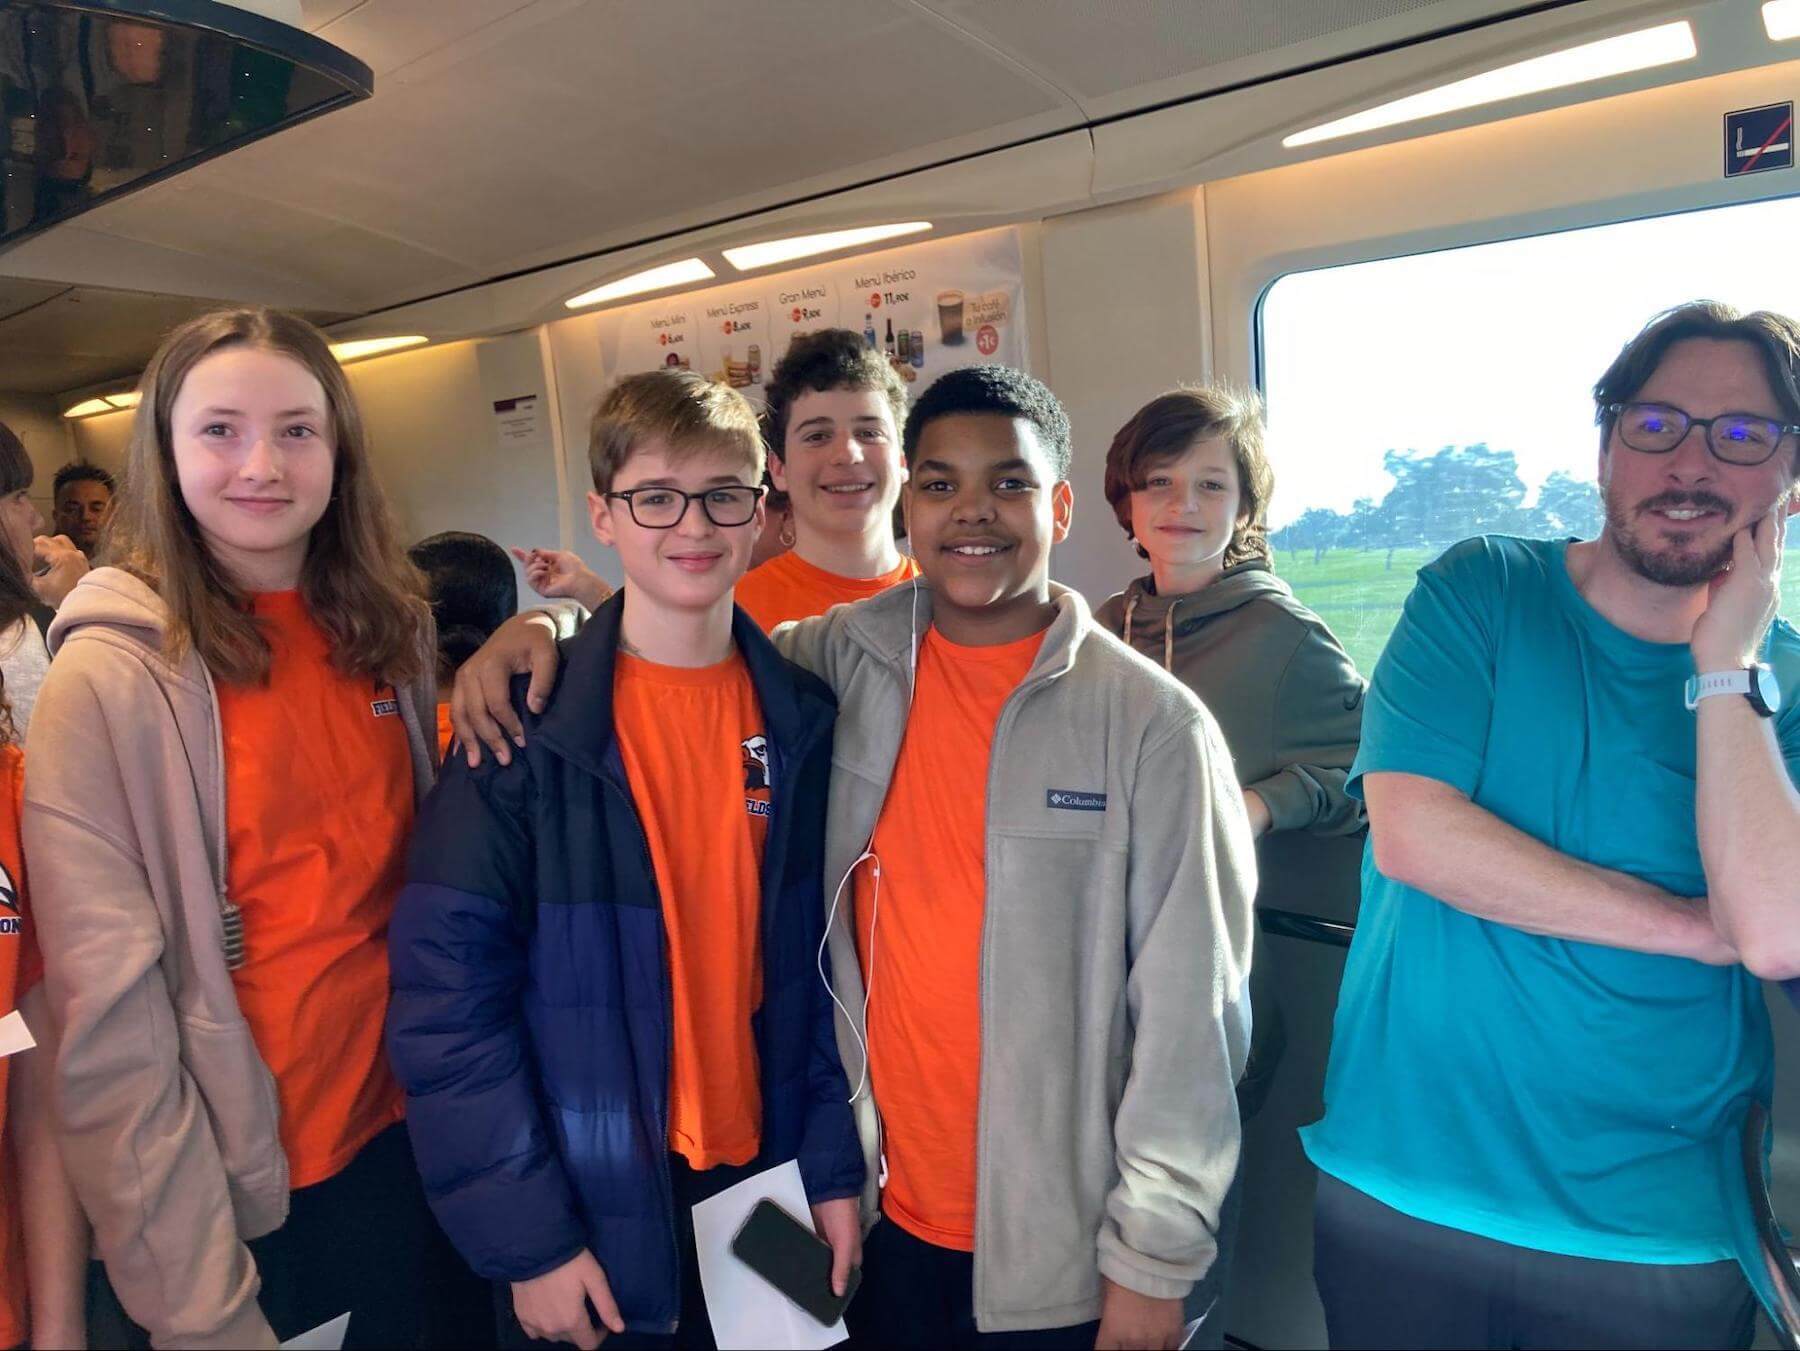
{"x":9,"y":901}
{"x":1073,"y":800}
{"x":756,"y":774}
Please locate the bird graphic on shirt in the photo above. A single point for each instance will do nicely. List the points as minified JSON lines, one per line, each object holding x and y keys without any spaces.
{"x":756,"y":762}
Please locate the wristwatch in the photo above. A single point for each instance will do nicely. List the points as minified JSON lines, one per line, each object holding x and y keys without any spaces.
{"x":1756,"y":683}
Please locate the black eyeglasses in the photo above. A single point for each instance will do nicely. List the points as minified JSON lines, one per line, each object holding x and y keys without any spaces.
{"x":1735,"y":438}
{"x":657,"y":508}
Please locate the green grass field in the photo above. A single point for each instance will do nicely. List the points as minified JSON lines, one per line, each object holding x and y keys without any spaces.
{"x":1360,"y":599}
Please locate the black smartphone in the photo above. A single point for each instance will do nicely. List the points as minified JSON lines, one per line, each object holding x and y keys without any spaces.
{"x":789,"y":1256}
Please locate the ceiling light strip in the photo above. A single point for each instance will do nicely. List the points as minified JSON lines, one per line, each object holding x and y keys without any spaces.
{"x":357,"y":348}
{"x":748,"y":256}
{"x":683,"y":273}
{"x":1643,"y":50}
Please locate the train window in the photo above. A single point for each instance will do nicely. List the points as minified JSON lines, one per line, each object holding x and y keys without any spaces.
{"x":1418,"y":400}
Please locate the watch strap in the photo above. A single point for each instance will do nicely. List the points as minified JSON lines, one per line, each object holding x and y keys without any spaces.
{"x":1705,"y":685}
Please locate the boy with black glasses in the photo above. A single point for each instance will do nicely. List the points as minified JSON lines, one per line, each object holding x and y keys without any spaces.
{"x":606,"y":1006}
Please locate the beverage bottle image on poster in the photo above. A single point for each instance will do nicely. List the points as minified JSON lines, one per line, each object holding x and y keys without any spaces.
{"x":928,"y":308}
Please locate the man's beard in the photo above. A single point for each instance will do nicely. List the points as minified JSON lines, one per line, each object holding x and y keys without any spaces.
{"x":1678,"y":566}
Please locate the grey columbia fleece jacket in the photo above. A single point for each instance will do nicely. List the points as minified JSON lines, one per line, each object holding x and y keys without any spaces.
{"x":1115,"y":955}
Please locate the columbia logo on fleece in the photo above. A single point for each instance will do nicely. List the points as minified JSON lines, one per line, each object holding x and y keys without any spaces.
{"x":384,"y":708}
{"x":1069,"y":800}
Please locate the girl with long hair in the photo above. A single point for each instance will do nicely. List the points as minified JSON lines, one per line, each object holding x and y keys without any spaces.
{"x":225,"y":761}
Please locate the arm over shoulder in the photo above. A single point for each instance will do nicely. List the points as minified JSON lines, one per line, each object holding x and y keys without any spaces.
{"x":1192,"y":878}
{"x":817,"y":644}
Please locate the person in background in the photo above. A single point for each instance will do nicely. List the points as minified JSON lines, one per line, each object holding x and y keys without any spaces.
{"x":1041,"y":929}
{"x":53,"y":563}
{"x":833,"y":429}
{"x":1580,"y":760}
{"x":559,"y":574}
{"x":608,"y":1003}
{"x":84,"y":498}
{"x":1189,"y":480}
{"x":222,"y":772}
{"x":44,"y":1237}
{"x":469,"y":581}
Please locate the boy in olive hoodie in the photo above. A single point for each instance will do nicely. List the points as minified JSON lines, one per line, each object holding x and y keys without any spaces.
{"x":1046,"y":906}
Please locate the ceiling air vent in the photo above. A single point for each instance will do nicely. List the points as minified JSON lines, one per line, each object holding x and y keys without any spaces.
{"x":103,"y":96}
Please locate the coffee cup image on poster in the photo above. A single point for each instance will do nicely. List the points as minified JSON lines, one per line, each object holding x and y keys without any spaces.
{"x":927,"y":308}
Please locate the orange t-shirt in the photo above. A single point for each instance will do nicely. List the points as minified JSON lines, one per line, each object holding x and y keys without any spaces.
{"x":788,"y":587}
{"x":446,"y":732}
{"x":318,"y":805}
{"x":18,"y":971}
{"x":698,"y":764}
{"x":925,"y":970}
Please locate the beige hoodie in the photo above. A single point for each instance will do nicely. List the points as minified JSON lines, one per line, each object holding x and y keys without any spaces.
{"x":168,"y":1112}
{"x":1114,"y":957}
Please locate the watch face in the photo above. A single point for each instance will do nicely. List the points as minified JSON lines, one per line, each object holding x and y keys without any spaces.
{"x":1768,"y":690}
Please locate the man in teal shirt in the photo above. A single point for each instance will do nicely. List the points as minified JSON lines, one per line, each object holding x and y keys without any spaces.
{"x":1579,"y":762}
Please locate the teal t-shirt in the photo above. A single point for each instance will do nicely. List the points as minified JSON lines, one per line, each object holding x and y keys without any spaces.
{"x":1560,"y":1096}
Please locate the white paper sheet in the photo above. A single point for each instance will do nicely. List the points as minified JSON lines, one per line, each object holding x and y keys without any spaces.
{"x":746,"y":1311}
{"x":14,"y":1035}
{"x":325,"y":1337}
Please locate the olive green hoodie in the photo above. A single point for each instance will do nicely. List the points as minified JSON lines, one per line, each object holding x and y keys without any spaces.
{"x":1284,"y":693}
{"x":1289,"y":703}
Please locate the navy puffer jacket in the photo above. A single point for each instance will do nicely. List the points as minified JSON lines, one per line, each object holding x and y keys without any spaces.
{"x":530,"y":1016}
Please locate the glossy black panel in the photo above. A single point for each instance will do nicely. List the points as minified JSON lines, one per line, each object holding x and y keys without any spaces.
{"x":103,"y":96}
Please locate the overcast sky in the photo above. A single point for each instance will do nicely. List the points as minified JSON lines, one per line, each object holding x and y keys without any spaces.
{"x":1499,"y":342}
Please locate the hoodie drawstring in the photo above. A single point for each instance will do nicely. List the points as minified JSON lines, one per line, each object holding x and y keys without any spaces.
{"x":1131,"y":602}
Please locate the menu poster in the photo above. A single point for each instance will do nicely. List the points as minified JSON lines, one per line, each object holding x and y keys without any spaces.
{"x":929,"y":308}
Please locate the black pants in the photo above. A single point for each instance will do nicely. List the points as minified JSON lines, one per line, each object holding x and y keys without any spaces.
{"x":916,"y":1294}
{"x":694,"y":1330}
{"x":1387,"y":1279}
{"x":363,"y":1243}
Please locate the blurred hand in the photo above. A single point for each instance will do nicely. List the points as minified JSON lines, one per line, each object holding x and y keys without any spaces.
{"x":481,"y":708}
{"x":59,"y":565}
{"x":559,"y":574}
{"x":840,"y":1224}
{"x":553,"y":1307}
{"x":1133,"y":1322}
{"x":1258,"y":811}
